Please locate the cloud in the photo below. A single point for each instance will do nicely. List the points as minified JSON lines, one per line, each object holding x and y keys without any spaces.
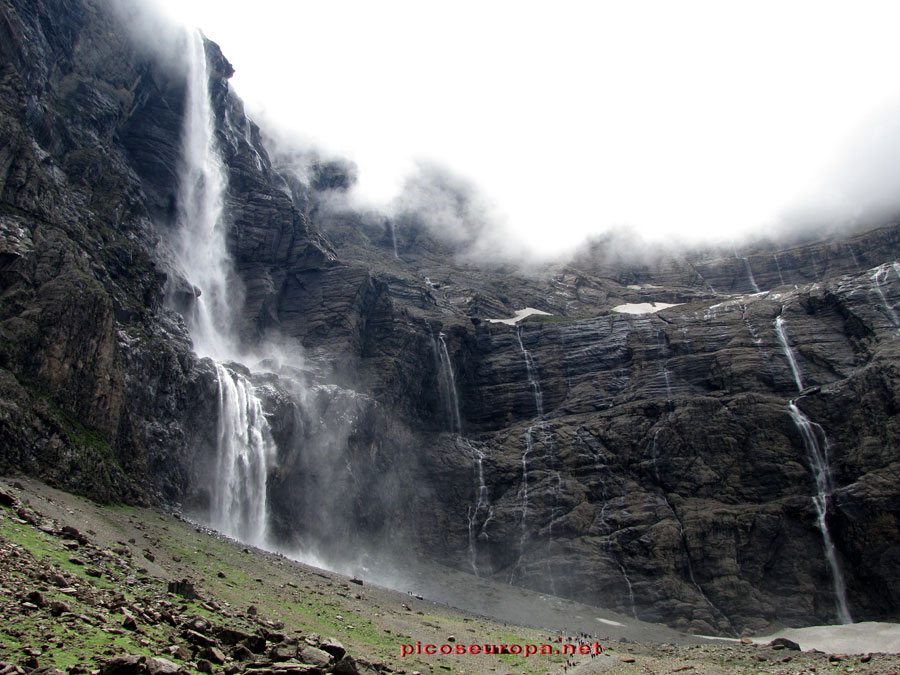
{"x":698,"y":122}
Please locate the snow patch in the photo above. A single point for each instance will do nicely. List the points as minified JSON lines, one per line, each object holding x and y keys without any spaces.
{"x":643,"y":307}
{"x":853,"y":638}
{"x":609,"y":622}
{"x":521,"y":314}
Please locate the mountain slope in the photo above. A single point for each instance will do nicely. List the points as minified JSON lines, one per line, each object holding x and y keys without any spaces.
{"x":716,"y":465}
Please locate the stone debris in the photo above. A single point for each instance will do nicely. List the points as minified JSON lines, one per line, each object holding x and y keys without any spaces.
{"x":207,"y":645}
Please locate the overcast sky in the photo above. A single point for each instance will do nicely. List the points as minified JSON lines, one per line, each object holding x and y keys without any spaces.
{"x":688,"y":119}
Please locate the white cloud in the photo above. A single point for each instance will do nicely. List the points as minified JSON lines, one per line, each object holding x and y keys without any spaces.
{"x":699,"y":118}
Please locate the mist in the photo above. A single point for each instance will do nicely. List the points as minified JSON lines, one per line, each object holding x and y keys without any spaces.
{"x":697,"y":123}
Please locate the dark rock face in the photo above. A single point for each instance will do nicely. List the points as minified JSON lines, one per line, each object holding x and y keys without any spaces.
{"x":85,"y":345}
{"x":647,"y":463}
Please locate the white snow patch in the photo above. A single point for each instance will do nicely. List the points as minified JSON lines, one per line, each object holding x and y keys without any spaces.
{"x":643,"y":307}
{"x":521,"y":314}
{"x":852,"y":638}
{"x":609,"y":622}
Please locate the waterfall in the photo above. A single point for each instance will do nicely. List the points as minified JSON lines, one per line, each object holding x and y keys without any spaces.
{"x":482,"y":508}
{"x":853,"y":255}
{"x":547,"y":440}
{"x":245,"y":453}
{"x":446,"y":384}
{"x":245,"y":450}
{"x":877,"y":278}
{"x":816,"y":443}
{"x":663,"y":352}
{"x":788,"y":352}
{"x":704,"y":281}
{"x":200,"y":249}
{"x":529,"y":444}
{"x":750,"y":274}
{"x":523,"y":500}
{"x":532,"y":378}
{"x":778,"y":267}
{"x":630,"y":589}
{"x":394,"y":239}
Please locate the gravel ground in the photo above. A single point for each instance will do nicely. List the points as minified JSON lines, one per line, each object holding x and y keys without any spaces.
{"x":91,"y":589}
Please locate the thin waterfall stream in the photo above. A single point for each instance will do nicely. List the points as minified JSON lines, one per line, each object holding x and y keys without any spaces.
{"x":816,"y":444}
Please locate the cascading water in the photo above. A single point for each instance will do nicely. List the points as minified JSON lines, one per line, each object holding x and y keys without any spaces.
{"x":788,"y":352}
{"x":778,"y":267}
{"x":245,"y":452}
{"x":547,"y":442}
{"x":750,"y":275}
{"x":663,"y":353}
{"x":482,"y":512}
{"x":522,"y":498}
{"x":818,"y":461}
{"x":816,"y":443}
{"x":630,"y":587}
{"x":532,"y":378}
{"x":200,"y":251}
{"x":853,"y":256}
{"x":394,"y":239}
{"x":447,"y":384}
{"x":245,"y":449}
{"x":878,"y":278}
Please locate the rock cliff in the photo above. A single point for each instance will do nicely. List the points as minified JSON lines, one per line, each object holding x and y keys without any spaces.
{"x":663,"y":464}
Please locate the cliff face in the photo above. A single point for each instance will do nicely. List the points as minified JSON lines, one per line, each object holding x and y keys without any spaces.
{"x":651,"y":463}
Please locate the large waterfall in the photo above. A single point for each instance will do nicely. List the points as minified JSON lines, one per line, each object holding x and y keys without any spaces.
{"x":200,"y":251}
{"x":245,"y":450}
